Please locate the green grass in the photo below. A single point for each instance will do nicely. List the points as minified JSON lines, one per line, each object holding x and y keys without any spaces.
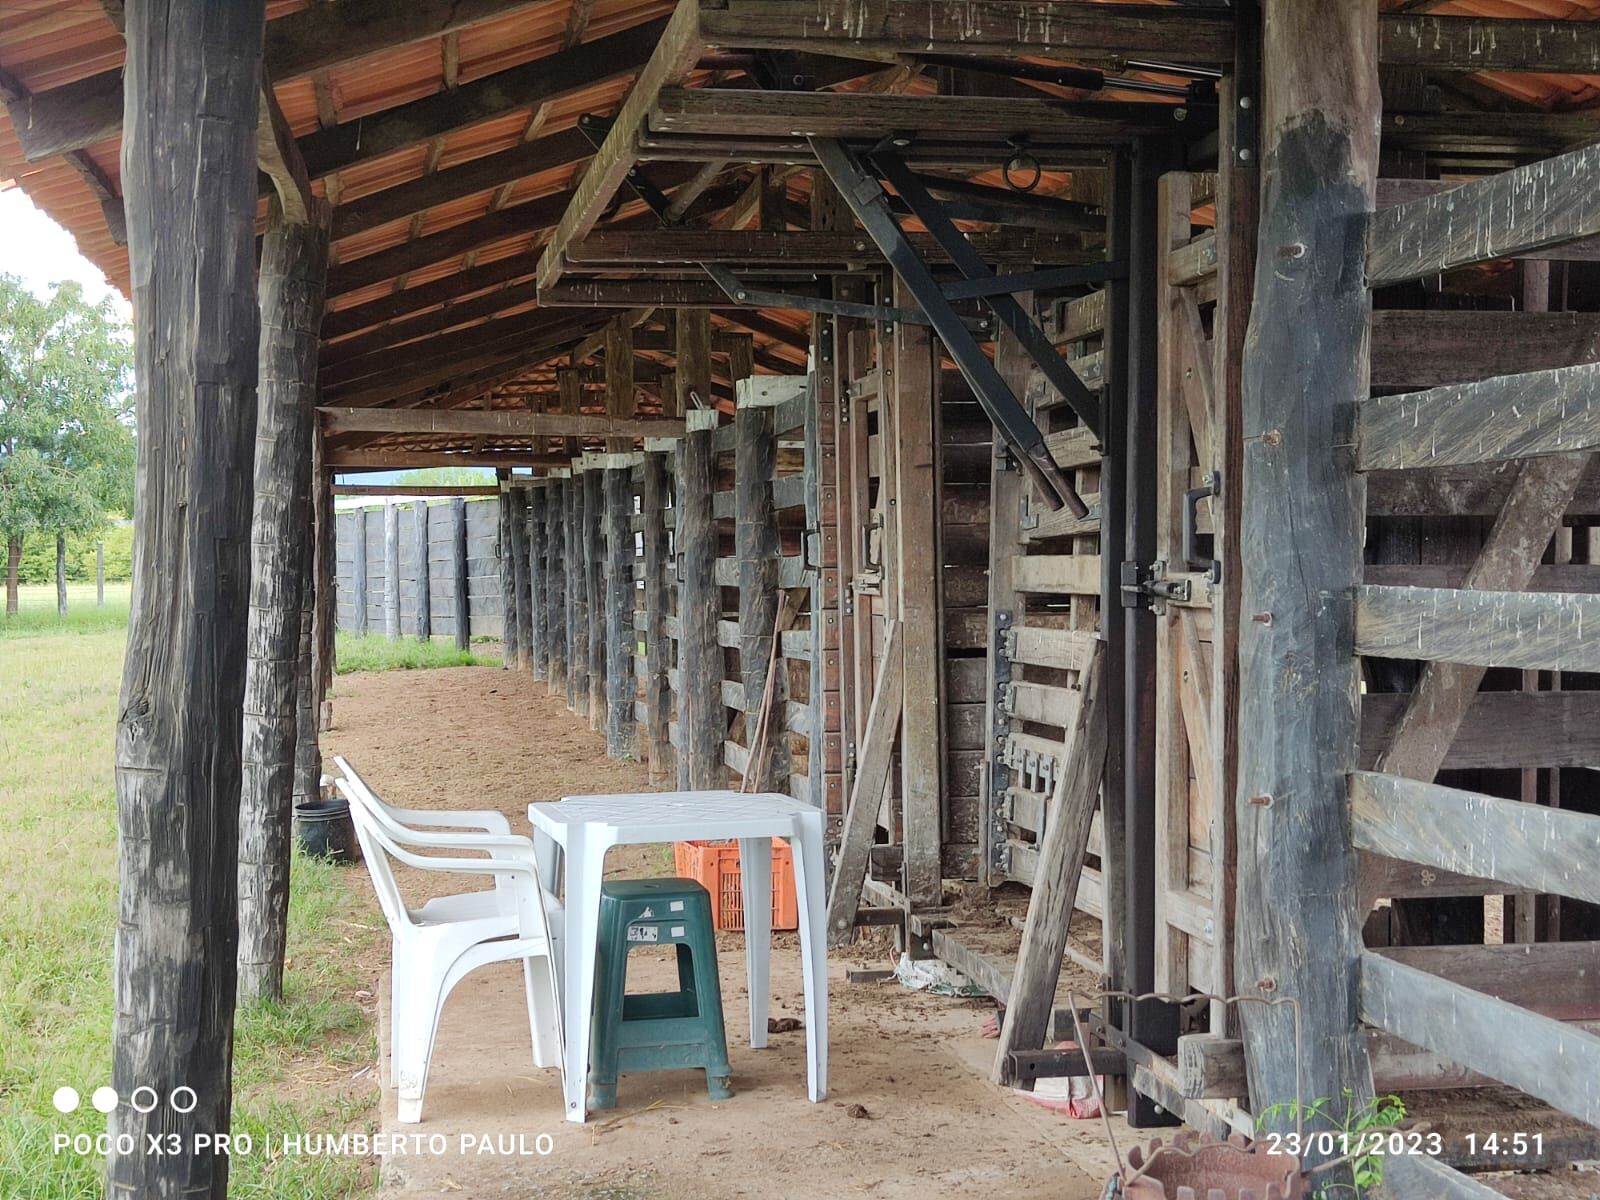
{"x":377,"y":653}
{"x":36,"y":610}
{"x":58,"y":895}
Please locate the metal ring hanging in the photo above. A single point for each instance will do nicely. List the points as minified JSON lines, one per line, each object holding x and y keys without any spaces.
{"x":1022,"y":160}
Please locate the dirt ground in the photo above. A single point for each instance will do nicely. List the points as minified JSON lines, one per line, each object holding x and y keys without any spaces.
{"x":910,"y":1110}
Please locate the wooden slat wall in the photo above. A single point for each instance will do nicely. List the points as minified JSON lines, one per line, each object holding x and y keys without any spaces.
{"x":483,"y":568}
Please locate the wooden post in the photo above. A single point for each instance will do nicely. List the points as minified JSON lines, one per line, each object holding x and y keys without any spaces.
{"x":701,"y":724}
{"x":424,"y":601}
{"x":282,"y":590}
{"x":391,"y":569}
{"x":358,"y":572}
{"x":577,"y":597}
{"x":325,"y":614}
{"x":540,"y":639}
{"x":621,"y":734}
{"x":516,"y":501}
{"x":61,"y":575}
{"x":916,"y":579}
{"x":508,"y":575}
{"x":99,"y":574}
{"x":1298,"y":934}
{"x":459,"y":598}
{"x":755,"y":536}
{"x":657,"y":562}
{"x":594,"y":562}
{"x":190,"y":192}
{"x":692,"y":374}
{"x":555,"y":621}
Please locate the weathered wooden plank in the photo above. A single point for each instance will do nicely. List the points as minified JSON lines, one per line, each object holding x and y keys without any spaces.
{"x":1056,"y":876}
{"x":278,"y":156}
{"x":293,"y":268}
{"x":873,"y":760}
{"x":459,"y":595}
{"x":593,"y":544}
{"x":1462,"y":43}
{"x":191,"y":188}
{"x":1558,"y":1063}
{"x":555,"y":618}
{"x":758,"y":550}
{"x":1529,"y":208}
{"x":538,"y":577}
{"x":1537,"y":631}
{"x":1554,"y":979}
{"x":621,"y":730}
{"x":1500,"y":729}
{"x":579,"y":627}
{"x":1479,"y":490}
{"x":422,"y":601}
{"x":1076,"y":574}
{"x":657,"y":650}
{"x":1524,"y":845}
{"x":977,"y":27}
{"x":1510,"y":553}
{"x":358,"y":574}
{"x":492,"y":423}
{"x":701,"y":719}
{"x":1425,"y":348}
{"x":1190,"y":263}
{"x":389,"y":460}
{"x":412,"y":489}
{"x":1508,"y":416}
{"x":391,"y":571}
{"x":1063,"y":649}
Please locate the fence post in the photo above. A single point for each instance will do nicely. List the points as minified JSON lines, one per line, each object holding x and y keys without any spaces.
{"x":424,"y":600}
{"x":458,"y":573}
{"x":391,"y":565}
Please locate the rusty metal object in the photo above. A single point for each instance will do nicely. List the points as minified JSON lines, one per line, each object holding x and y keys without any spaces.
{"x":1197,"y":1167}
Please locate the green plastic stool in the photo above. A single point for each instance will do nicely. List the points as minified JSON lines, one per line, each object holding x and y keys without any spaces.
{"x":661,"y":1031}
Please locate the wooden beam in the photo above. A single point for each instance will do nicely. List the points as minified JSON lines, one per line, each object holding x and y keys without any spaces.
{"x":1506,"y":417}
{"x":492,"y":423}
{"x":1553,"y":979}
{"x":1498,"y":730}
{"x":1057,"y":874}
{"x":673,"y":57}
{"x":866,"y":794}
{"x":1425,"y":348}
{"x":1453,"y":43}
{"x":608,"y":247}
{"x":1558,"y":1063}
{"x":413,"y":489}
{"x":1535,"y":207}
{"x":1528,"y":846}
{"x":354,"y":318}
{"x":389,"y":460}
{"x":1301,"y":543}
{"x":757,"y":114}
{"x":190,"y":188}
{"x":1511,"y":552}
{"x":1537,"y":631}
{"x":440,"y":320}
{"x":991,"y":28}
{"x":279,"y":159}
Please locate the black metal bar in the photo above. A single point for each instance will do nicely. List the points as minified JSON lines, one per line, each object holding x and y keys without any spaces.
{"x":1063,"y":76}
{"x":863,"y":193}
{"x":1029,"y":281}
{"x":1005,"y":307}
{"x":1154,"y":1023}
{"x":753,"y":297}
{"x":1059,"y":213}
{"x":1030,"y":1065}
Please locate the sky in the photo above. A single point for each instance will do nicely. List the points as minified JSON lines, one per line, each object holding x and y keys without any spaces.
{"x":38,"y":250}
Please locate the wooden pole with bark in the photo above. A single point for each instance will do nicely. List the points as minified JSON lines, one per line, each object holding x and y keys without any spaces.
{"x":555,"y":620}
{"x":282,"y":588}
{"x":577,"y":597}
{"x":1306,"y":367}
{"x":594,"y":561}
{"x":391,"y":571}
{"x":190,"y":191}
{"x":657,"y":646}
{"x":701,"y":723}
{"x":508,"y":575}
{"x":421,"y":581}
{"x":757,"y":550}
{"x":621,"y":729}
{"x":536,"y":583}
{"x":516,"y":502}
{"x":461,"y":596}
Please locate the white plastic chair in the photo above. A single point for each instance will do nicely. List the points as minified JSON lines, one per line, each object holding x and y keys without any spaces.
{"x":438,"y":944}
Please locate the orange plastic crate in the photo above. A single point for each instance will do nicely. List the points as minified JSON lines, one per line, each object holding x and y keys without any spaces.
{"x":715,"y":866}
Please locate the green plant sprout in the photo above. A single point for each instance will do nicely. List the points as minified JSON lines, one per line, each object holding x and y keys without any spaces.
{"x":1363,"y":1153}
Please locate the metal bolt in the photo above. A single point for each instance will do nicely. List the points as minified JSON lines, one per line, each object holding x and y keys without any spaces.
{"x":1245,"y":102}
{"x":1292,"y":250}
{"x":1263,"y":618}
{"x":1267,"y":984}
{"x":1272,"y":437}
{"x":1180,"y":114}
{"x":1244,"y":154}
{"x":1262,"y":801}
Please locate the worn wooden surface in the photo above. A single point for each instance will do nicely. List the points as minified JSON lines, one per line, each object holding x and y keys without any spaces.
{"x":621,"y":730}
{"x":1537,"y":631}
{"x":1556,"y":1062}
{"x":1062,"y":850}
{"x":293,"y":266}
{"x":1528,"y":846}
{"x":578,"y":628}
{"x":653,"y":497}
{"x":756,"y":545}
{"x":1300,"y":550}
{"x":538,"y":580}
{"x":460,"y":598}
{"x":1498,"y":729}
{"x":1508,"y":416}
{"x":422,"y":603}
{"x":701,"y":721}
{"x":191,"y":199}
{"x":515,"y":503}
{"x":391,"y":569}
{"x":1422,"y":348}
{"x":555,"y":619}
{"x":593,"y":560}
{"x":1532,"y":207}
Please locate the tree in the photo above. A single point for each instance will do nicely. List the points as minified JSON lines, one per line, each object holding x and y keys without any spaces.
{"x":66,"y":424}
{"x":446,"y":477}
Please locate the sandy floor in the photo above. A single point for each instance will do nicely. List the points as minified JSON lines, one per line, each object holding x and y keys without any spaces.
{"x":910,"y":1111}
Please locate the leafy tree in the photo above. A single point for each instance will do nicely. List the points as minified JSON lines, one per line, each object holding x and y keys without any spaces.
{"x":66,"y":417}
{"x":446,"y":477}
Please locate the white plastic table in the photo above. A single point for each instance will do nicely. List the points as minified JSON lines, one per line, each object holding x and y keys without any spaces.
{"x":585,"y":827}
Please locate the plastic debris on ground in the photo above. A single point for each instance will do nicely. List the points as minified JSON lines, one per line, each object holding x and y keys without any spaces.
{"x":935,"y":977}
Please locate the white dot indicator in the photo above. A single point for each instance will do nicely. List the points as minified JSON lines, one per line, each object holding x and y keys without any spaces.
{"x":65,"y":1099}
{"x":144,"y":1099}
{"x":104,"y":1099}
{"x":188,"y":1102}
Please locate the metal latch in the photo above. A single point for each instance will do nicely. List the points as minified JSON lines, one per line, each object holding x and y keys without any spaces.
{"x":1147,"y":586}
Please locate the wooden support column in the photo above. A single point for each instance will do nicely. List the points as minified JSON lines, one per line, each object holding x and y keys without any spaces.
{"x":517,"y":500}
{"x":915,"y":434}
{"x":358,"y":572}
{"x":657,"y":564}
{"x":422,"y":581}
{"x":391,"y":568}
{"x":325,"y":603}
{"x":508,"y":574}
{"x":190,"y":190}
{"x":1298,"y":932}
{"x":621,"y":732}
{"x":756,"y":547}
{"x":460,"y":594}
{"x":693,"y":371}
{"x":577,"y":597}
{"x":555,"y":621}
{"x":594,"y":564}
{"x":282,"y":589}
{"x":538,"y":636}
{"x":701,"y":720}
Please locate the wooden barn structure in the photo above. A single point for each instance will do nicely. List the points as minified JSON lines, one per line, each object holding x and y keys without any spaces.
{"x":1131,"y":456}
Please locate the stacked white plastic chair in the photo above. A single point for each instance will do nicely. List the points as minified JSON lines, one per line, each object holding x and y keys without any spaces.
{"x":439,"y":943}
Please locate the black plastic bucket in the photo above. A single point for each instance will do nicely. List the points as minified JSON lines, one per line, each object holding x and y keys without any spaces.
{"x":325,"y":829}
